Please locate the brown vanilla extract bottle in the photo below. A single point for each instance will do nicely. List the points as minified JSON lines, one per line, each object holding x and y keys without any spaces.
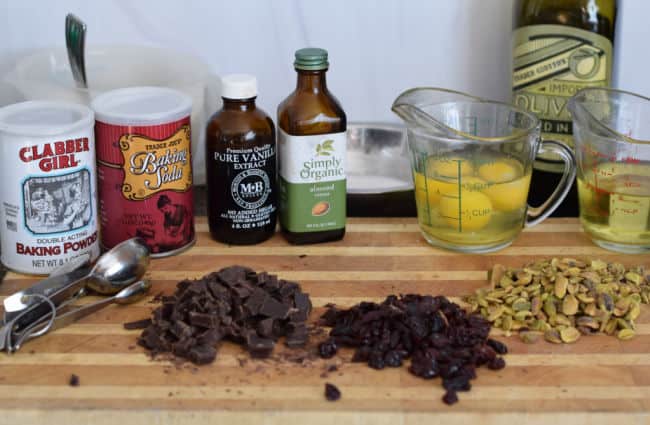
{"x":241,"y":167}
{"x":312,"y":149}
{"x":559,"y":47}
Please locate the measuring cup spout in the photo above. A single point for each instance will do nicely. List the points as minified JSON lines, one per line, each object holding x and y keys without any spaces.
{"x":600,"y":112}
{"x":413,"y":107}
{"x":581,"y":108}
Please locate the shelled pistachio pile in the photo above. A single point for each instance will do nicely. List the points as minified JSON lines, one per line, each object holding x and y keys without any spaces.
{"x":562,"y":299}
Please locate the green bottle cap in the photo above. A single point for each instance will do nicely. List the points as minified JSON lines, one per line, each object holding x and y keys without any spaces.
{"x":311,"y":59}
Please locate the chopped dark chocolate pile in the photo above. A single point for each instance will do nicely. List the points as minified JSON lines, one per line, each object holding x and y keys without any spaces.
{"x":332,"y":393}
{"x":438,"y":337}
{"x":235,"y":304}
{"x":138,"y":324}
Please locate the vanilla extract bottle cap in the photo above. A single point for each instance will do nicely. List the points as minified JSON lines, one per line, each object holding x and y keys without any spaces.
{"x":239,"y":86}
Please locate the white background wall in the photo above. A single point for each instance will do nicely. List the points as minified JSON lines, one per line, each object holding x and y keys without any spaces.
{"x":377,"y":47}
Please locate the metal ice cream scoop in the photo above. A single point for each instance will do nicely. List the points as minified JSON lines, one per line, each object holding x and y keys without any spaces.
{"x":122,"y":265}
{"x":117,"y":268}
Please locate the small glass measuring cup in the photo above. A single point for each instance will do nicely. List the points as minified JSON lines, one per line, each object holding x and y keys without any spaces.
{"x":472,"y":161}
{"x":611,"y":131}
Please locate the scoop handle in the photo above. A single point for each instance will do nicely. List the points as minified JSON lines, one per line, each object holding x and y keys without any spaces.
{"x":135,"y":292}
{"x":72,"y":316}
{"x":75,"y":40}
{"x":536,"y":215}
{"x":57,"y":288}
{"x":41,"y":326}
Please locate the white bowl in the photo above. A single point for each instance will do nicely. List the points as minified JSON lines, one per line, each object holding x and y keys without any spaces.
{"x":46,"y":75}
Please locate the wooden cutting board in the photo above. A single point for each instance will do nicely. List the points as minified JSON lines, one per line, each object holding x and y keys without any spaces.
{"x":599,"y":379}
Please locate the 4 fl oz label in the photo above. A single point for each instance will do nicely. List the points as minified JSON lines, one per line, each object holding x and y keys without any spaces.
{"x":242,"y":196}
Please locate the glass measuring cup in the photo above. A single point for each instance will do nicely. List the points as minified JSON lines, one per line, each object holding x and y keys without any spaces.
{"x":611,"y":130}
{"x":472,"y":161}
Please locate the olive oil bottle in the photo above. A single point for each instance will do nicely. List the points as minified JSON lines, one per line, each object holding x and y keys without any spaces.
{"x":311,"y":153}
{"x":559,"y":47}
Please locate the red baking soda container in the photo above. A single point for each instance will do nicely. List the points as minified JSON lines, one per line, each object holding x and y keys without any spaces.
{"x":144,"y":168}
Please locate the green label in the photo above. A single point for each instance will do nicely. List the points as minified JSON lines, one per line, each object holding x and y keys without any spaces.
{"x":312,"y":207}
{"x":312,"y":182}
{"x":551,"y":63}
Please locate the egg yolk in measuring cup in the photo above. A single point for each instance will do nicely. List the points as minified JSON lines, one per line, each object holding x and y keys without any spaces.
{"x":449,"y":167}
{"x":507,"y":186}
{"x":499,"y":171}
{"x":486,"y":190}
{"x":429,"y":189}
{"x":451,"y":186}
{"x":471,"y":211}
{"x":509,"y":196}
{"x":425,"y":191}
{"x":473,"y":184}
{"x":471,"y":201}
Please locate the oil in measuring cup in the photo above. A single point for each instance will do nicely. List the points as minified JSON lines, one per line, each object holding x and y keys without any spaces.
{"x":471,"y":201}
{"x":615,"y":202}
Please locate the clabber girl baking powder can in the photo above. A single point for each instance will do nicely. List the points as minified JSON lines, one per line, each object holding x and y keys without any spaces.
{"x":144,"y":168}
{"x":48,"y":207}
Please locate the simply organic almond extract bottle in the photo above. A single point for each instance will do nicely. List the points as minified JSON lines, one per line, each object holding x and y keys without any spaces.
{"x":312,"y":149}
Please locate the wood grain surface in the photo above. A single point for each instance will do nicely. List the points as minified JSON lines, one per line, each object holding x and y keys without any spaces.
{"x":597,"y":380}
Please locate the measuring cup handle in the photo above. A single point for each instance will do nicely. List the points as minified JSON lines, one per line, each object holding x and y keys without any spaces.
{"x":536,"y":215}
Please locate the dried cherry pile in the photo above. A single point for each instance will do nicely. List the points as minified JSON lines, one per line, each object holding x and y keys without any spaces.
{"x":235,"y":303}
{"x":438,"y":337}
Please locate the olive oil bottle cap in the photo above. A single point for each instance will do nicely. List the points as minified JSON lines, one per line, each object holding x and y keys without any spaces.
{"x":311,"y":59}
{"x":238,"y":86}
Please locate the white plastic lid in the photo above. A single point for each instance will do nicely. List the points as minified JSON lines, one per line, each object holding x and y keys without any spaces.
{"x":45,"y":118}
{"x":238,"y":86}
{"x":141,"y":106}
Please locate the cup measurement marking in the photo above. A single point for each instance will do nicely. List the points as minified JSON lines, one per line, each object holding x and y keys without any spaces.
{"x":460,"y":185}
{"x":599,"y":191}
{"x":424,"y":159}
